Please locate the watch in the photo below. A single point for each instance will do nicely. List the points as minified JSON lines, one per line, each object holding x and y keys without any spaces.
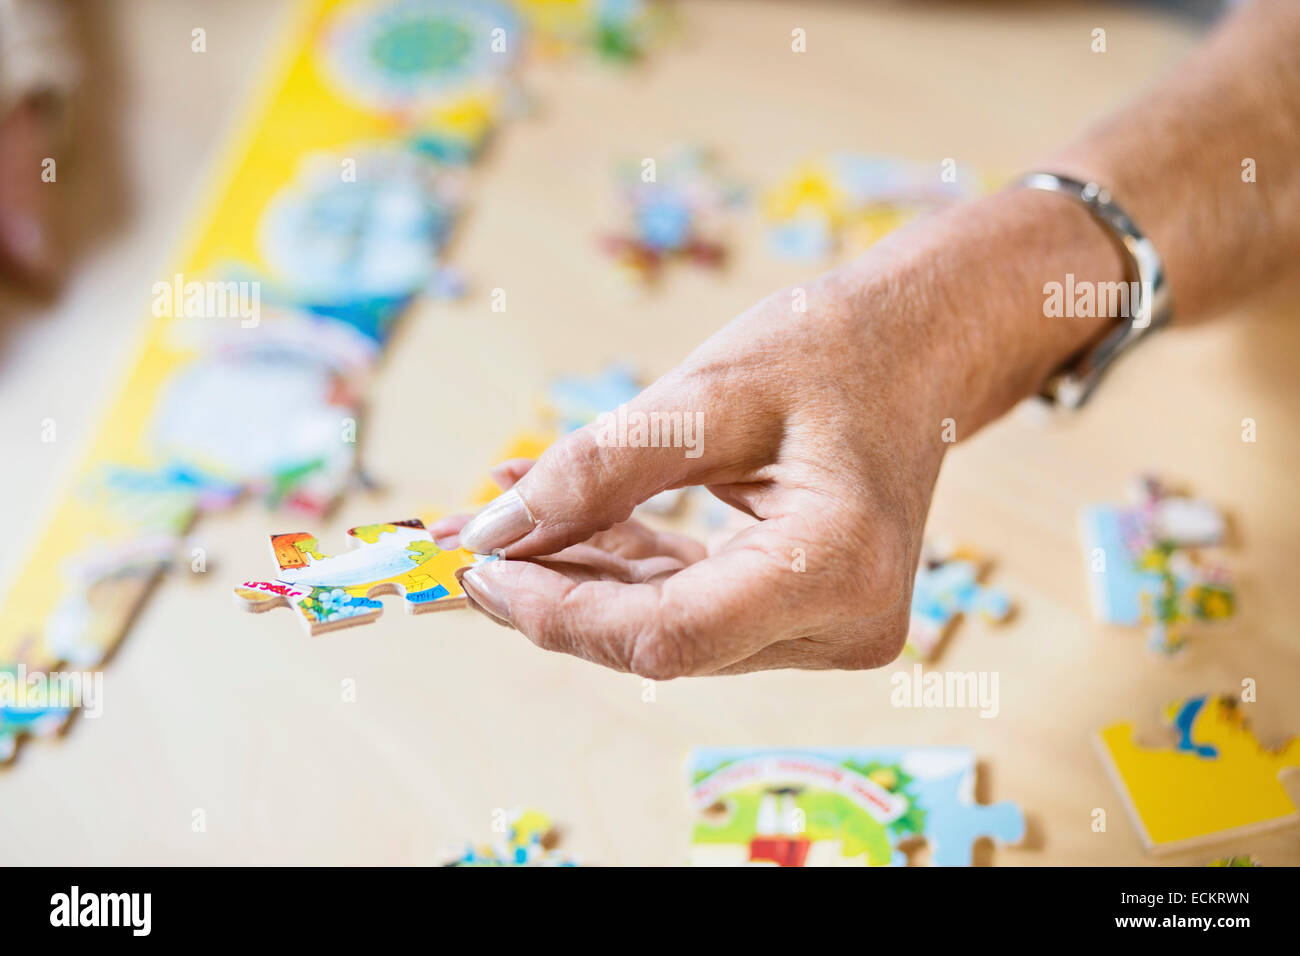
{"x":1149,"y":303}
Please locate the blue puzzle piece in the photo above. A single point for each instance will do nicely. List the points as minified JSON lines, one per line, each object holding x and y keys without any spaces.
{"x":954,"y":821}
{"x":1118,"y":589}
{"x":943,"y":592}
{"x":576,"y":400}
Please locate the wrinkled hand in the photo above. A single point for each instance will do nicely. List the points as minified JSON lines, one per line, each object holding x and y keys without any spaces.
{"x":827,"y":425}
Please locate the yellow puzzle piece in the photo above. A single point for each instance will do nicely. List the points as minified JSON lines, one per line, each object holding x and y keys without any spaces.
{"x":1217,"y":781}
{"x":330,"y":592}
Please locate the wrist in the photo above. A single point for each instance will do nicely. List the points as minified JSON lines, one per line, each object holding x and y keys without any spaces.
{"x":995,"y":275}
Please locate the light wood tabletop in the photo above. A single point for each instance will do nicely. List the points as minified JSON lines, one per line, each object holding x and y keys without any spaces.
{"x":243,"y":717}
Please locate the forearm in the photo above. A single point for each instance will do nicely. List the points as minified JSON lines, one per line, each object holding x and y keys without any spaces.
{"x":964,"y":292}
{"x":960,"y":297}
{"x":1174,"y":160}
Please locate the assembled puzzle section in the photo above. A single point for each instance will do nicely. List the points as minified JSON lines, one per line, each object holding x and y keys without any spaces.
{"x":1215,"y":782}
{"x":840,"y":807}
{"x":948,"y":586}
{"x":334,"y":213}
{"x":336,"y":591}
{"x":1149,"y":563}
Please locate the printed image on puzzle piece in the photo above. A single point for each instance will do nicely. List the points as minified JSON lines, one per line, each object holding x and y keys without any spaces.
{"x":1216,"y":781}
{"x":840,"y":807}
{"x":677,"y":210}
{"x":948,"y":586}
{"x":527,"y":838}
{"x":337,"y":591}
{"x":1148,"y":564}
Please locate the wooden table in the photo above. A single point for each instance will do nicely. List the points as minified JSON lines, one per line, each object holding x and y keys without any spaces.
{"x":244,"y":719}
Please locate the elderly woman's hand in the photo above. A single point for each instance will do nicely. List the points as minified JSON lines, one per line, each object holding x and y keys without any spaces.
{"x":824,"y":412}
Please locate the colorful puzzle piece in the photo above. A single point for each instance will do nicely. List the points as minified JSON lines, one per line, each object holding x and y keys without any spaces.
{"x":1216,"y":781}
{"x":528,"y":838}
{"x":947,"y":585}
{"x":1146,"y":565}
{"x":339,"y":591}
{"x":20,"y":717}
{"x":840,"y":807}
{"x":852,"y":200}
{"x":674,"y":210}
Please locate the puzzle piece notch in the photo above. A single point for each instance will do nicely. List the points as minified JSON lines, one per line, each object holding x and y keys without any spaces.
{"x":957,"y":822}
{"x":332,"y":592}
{"x":947,"y":586}
{"x":1215,"y":781}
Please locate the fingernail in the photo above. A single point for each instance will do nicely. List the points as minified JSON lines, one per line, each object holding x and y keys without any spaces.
{"x":483,"y":596}
{"x":505,"y":519}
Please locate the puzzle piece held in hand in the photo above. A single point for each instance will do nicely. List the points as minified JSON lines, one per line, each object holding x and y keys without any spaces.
{"x":947,"y":585}
{"x":1216,"y":781}
{"x":1146,"y":565}
{"x":331,"y":592}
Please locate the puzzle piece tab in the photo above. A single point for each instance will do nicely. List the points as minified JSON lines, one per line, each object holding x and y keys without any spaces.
{"x":1216,"y":781}
{"x":331,"y":592}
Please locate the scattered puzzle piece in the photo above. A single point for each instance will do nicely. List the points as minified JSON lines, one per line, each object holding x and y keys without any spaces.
{"x":529,"y":838}
{"x":840,"y":807}
{"x":1146,"y":565}
{"x":852,"y":200}
{"x":22,"y":717}
{"x":1216,"y":781}
{"x":947,"y":585}
{"x":339,"y":591}
{"x":675,"y":209}
{"x":574,"y":400}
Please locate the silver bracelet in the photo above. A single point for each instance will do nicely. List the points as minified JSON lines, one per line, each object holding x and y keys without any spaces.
{"x":1149,"y":305}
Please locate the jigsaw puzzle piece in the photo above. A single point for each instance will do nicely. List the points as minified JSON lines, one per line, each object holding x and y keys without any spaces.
{"x":1215,"y":781}
{"x":943,"y":591}
{"x":944,"y":784}
{"x":1146,"y":567}
{"x":19,"y":718}
{"x":333,"y":591}
{"x":575,"y":400}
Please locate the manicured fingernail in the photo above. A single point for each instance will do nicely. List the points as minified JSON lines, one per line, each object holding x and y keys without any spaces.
{"x":506,"y":519}
{"x":483,"y":596}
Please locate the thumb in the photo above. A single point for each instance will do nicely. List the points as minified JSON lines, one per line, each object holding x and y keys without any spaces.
{"x":593,"y":478}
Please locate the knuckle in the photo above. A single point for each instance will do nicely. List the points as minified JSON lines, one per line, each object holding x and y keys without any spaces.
{"x":663,"y":650}
{"x":589,"y":471}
